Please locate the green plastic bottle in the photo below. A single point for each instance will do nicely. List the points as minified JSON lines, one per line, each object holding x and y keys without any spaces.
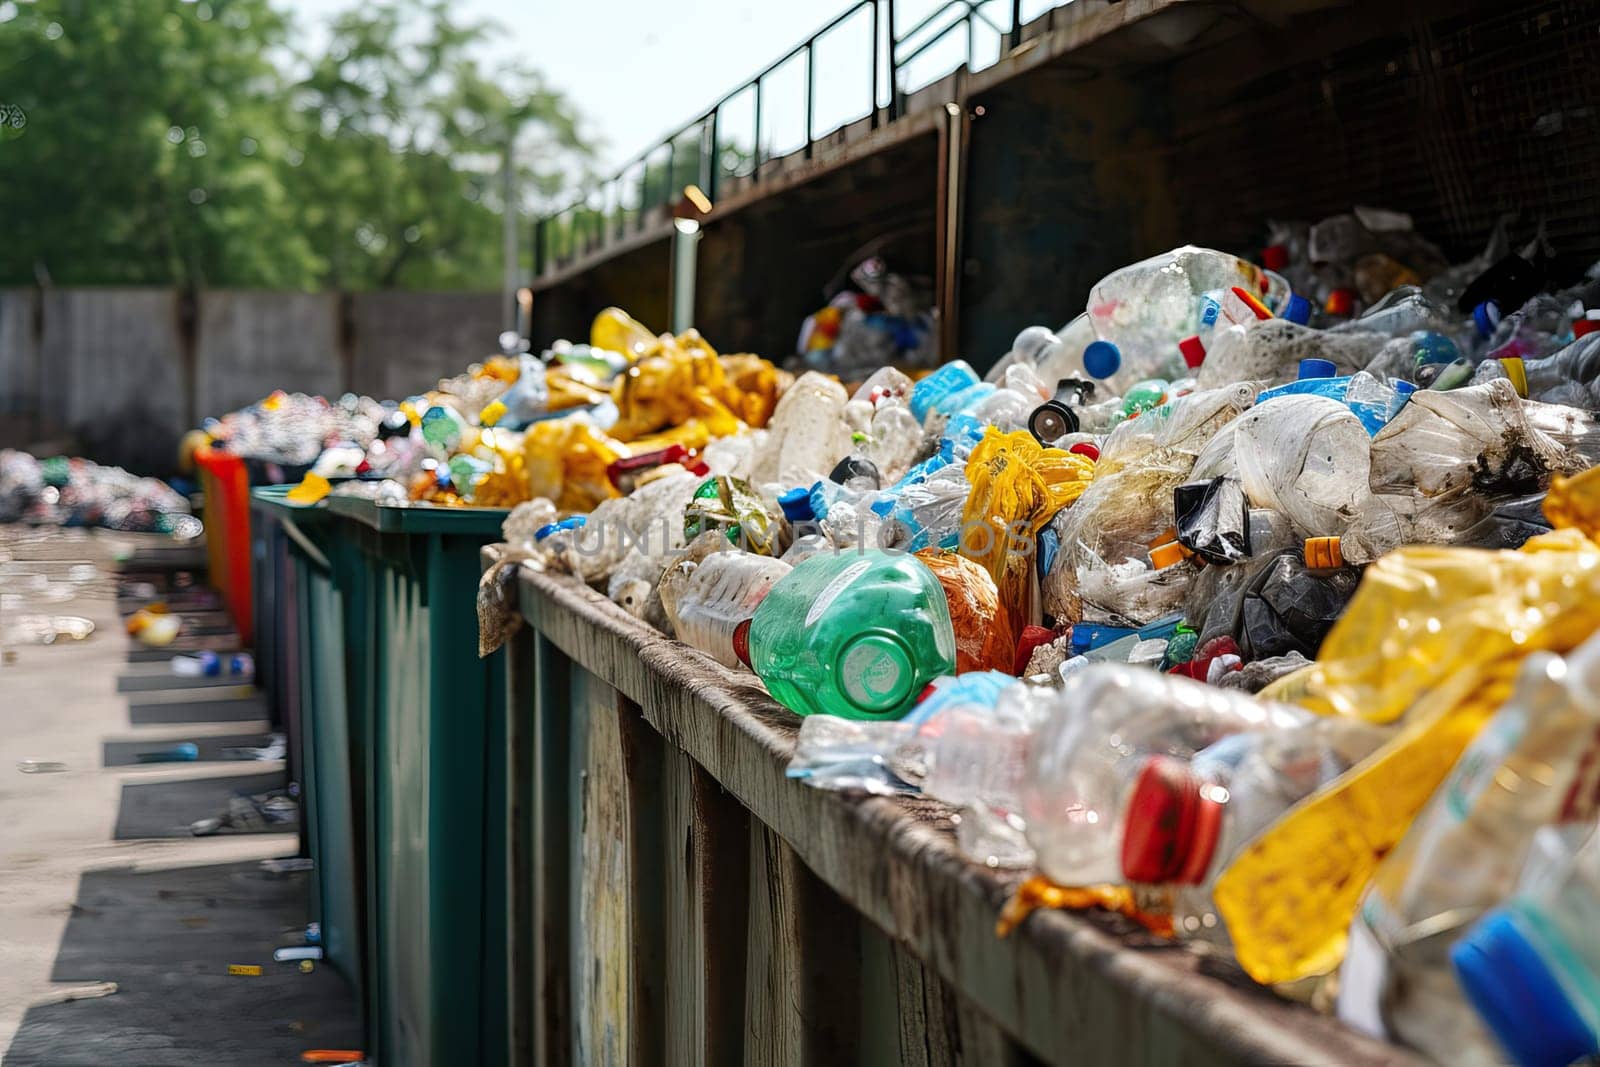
{"x":853,"y":634}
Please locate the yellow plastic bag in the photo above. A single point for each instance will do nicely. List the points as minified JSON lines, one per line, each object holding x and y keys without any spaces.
{"x":617,"y":331}
{"x":566,"y":461}
{"x":1433,"y":639}
{"x":1018,"y":485}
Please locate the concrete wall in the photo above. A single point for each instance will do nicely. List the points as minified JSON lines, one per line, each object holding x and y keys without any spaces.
{"x":127,"y":371}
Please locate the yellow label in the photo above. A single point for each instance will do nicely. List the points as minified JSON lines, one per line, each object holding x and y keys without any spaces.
{"x":312,"y":488}
{"x":248,"y":970}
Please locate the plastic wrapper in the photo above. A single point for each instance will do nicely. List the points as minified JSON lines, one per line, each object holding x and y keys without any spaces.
{"x":566,"y":461}
{"x":733,"y":507}
{"x":649,"y":522}
{"x":1432,"y":641}
{"x":1129,"y":505}
{"x":1017,"y":487}
{"x":985,"y":639}
{"x":1306,"y":458}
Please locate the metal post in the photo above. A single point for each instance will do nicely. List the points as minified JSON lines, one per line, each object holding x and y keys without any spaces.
{"x":811,"y":78}
{"x":875,"y":50}
{"x":508,"y":242}
{"x":539,"y":258}
{"x":755,"y":167}
{"x":714,"y":177}
{"x":894,"y":68}
{"x":672,"y":167}
{"x":1016,"y":23}
{"x":969,"y":37}
{"x":685,"y":242}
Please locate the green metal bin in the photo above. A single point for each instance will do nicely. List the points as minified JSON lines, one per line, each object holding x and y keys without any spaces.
{"x":435,"y":787}
{"x":325,"y":592}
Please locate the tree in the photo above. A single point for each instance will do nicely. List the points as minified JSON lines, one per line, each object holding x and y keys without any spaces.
{"x":402,"y":143}
{"x":146,"y":157}
{"x":182,"y":142}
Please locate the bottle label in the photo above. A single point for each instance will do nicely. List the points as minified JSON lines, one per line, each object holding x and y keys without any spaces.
{"x":831,"y":591}
{"x":1482,"y":761}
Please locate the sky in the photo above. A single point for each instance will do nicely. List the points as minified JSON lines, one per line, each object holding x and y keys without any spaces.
{"x":640,"y":69}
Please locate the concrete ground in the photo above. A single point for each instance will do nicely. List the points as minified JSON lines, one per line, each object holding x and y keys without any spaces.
{"x":160,"y":915}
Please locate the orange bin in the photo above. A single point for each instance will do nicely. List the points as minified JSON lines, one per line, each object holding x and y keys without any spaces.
{"x":226,"y":484}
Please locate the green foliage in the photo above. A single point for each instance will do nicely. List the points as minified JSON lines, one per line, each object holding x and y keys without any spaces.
{"x":176,"y":142}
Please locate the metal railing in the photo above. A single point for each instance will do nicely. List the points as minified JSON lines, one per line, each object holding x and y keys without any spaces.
{"x":709,"y":148}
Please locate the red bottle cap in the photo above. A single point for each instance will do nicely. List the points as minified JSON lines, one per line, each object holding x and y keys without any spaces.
{"x":1583,"y":326}
{"x":1085,"y":448}
{"x":741,"y":642}
{"x":1340,"y":302}
{"x":1275,"y":257}
{"x":1194,"y":351}
{"x":1172,"y":826}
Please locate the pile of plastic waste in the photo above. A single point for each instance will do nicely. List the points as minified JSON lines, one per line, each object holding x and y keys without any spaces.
{"x":577,"y":424}
{"x":1257,"y":604}
{"x":879,"y":319}
{"x":67,"y":491}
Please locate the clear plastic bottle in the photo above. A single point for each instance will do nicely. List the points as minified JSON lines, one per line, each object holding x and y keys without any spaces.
{"x":724,"y":590}
{"x":1527,"y":768}
{"x":1148,"y":308}
{"x":1187,"y":819}
{"x":1531,"y":968}
{"x":856,"y":635}
{"x":1108,"y":721}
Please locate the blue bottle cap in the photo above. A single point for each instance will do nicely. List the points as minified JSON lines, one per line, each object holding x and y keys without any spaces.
{"x":796,"y":505}
{"x":210,"y":663}
{"x":1298,"y":309}
{"x":1486,"y":316}
{"x":1403,"y":387}
{"x":1102,"y":359}
{"x":1317,"y":368}
{"x":1516,"y":994}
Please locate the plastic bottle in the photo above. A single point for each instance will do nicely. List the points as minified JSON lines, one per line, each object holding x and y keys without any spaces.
{"x":1073,"y":352}
{"x":950,"y":379}
{"x":1531,"y":968}
{"x":1147,"y":308}
{"x":1085,"y":761}
{"x":1187,"y":819}
{"x":1525,"y":769}
{"x":527,"y":399}
{"x":856,"y":635}
{"x":204,"y":664}
{"x":723,"y":591}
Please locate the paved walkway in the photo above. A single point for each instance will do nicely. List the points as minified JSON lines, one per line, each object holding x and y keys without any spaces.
{"x":90,"y":895}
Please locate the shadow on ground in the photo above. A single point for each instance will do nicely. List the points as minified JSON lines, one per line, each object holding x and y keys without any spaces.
{"x":166,"y":808}
{"x":167,"y":938}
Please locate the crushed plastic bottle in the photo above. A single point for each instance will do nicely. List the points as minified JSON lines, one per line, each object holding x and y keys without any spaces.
{"x":1529,"y":767}
{"x":856,"y":635}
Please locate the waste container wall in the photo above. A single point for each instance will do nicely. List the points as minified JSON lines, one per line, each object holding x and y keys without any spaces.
{"x":677,"y":899}
{"x":769,"y":259}
{"x":275,"y":628}
{"x":1198,"y":124}
{"x":434,"y":733}
{"x":638,"y":278}
{"x":319,"y":664}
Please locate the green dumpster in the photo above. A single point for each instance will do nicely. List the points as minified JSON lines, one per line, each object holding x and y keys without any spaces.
{"x":435,"y":787}
{"x":321,"y":590}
